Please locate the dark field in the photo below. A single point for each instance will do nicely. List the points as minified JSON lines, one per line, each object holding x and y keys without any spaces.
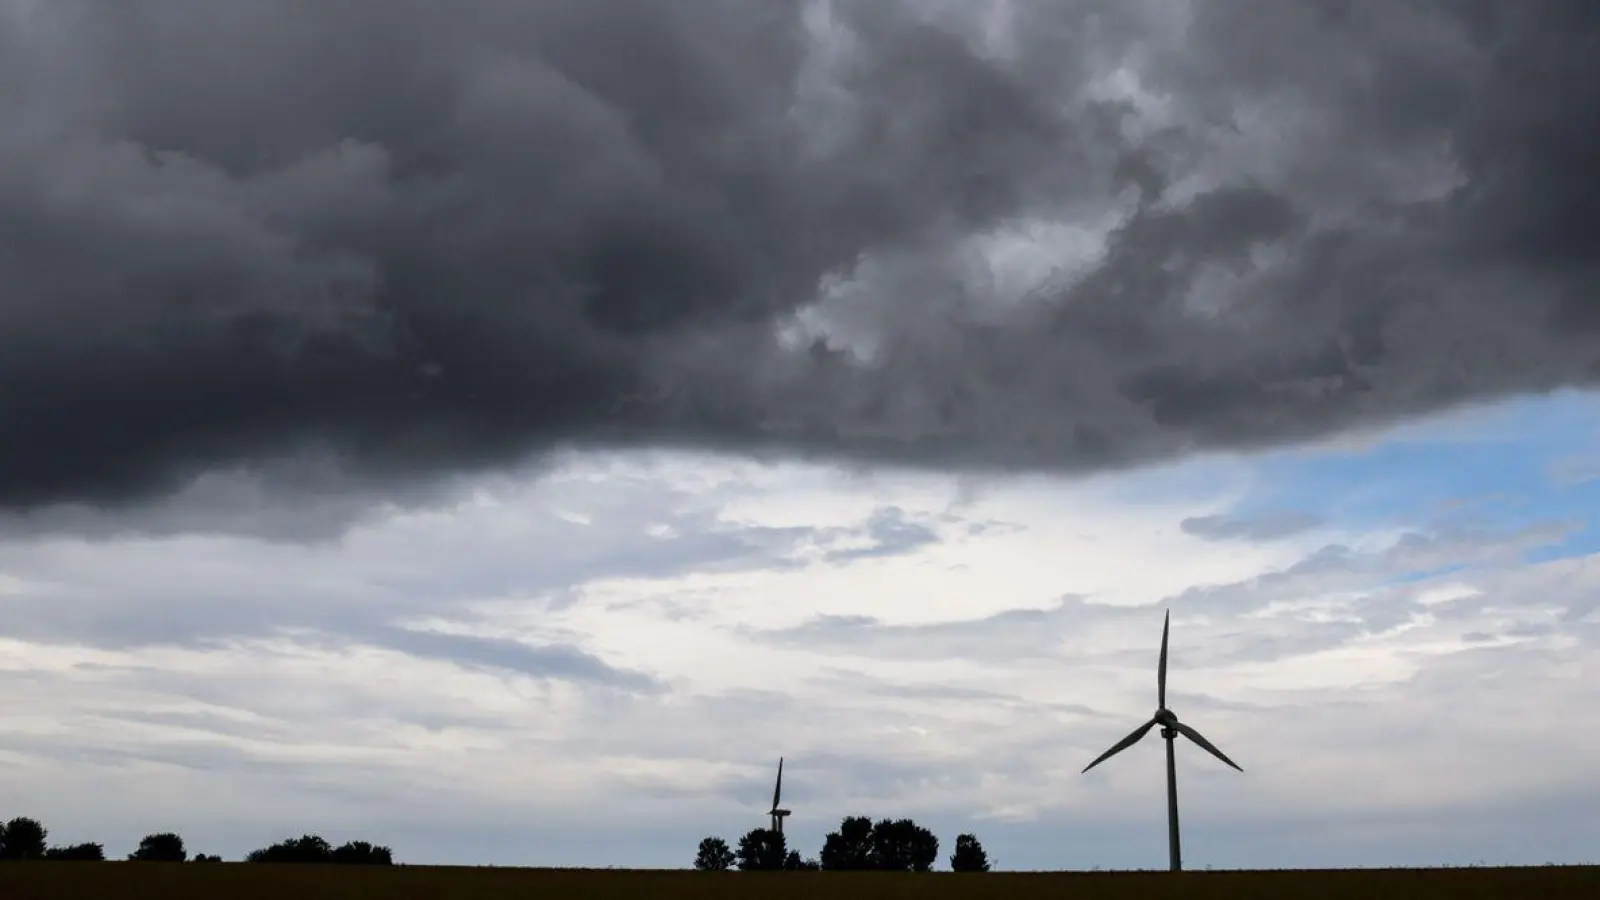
{"x":243,"y":881}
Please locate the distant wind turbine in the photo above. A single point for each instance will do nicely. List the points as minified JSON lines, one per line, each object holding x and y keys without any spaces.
{"x":1170,"y":729}
{"x":777,"y":793}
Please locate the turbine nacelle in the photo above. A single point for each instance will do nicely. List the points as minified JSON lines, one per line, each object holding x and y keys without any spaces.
{"x":776,"y":812}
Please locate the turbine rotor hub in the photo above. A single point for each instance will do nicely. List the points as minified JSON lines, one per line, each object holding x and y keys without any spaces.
{"x":1166,"y":718}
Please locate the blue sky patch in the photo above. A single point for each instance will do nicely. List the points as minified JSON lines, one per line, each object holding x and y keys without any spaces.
{"x":1493,"y":468}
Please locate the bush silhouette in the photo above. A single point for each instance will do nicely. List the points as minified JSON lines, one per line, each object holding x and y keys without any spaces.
{"x":361,"y":853}
{"x":311,"y":848}
{"x":162,"y":847}
{"x":77,"y":853}
{"x":307,"y":848}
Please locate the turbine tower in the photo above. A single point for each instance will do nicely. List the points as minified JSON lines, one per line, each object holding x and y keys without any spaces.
{"x":1170,"y":729}
{"x":777,"y":793}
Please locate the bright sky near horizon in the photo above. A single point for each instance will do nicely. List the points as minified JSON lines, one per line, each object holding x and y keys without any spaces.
{"x":500,"y":430}
{"x":599,"y":665}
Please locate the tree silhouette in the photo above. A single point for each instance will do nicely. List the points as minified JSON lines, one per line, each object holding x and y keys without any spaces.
{"x":361,"y":853}
{"x":793,"y":863}
{"x":761,"y":850}
{"x":162,"y":847}
{"x":201,"y":857}
{"x":23,"y":838}
{"x":850,"y":848}
{"x":77,"y":853}
{"x":902,"y":845}
{"x":896,"y":845}
{"x":969,"y":855}
{"x":713,"y":855}
{"x":307,"y":848}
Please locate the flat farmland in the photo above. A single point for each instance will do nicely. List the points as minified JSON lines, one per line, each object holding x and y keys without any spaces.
{"x":243,"y":881}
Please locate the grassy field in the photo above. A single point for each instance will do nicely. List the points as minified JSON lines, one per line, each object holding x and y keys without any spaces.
{"x":242,"y":881}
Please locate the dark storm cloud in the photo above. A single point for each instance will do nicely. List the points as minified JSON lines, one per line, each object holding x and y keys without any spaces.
{"x":296,"y":501}
{"x":430,"y":238}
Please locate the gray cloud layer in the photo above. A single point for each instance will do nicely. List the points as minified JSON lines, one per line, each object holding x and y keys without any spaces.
{"x":1264,"y":527}
{"x":430,"y":240}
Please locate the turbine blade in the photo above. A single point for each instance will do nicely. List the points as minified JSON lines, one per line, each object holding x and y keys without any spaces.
{"x":1205,"y":745}
{"x":1161,"y":668}
{"x":1122,"y":745}
{"x":777,"y":789}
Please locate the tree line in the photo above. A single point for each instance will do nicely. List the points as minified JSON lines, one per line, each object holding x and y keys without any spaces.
{"x":899,"y":845}
{"x":894,"y":845}
{"x":23,"y":838}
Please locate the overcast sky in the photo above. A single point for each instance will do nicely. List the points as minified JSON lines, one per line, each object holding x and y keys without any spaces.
{"x":501,"y":430}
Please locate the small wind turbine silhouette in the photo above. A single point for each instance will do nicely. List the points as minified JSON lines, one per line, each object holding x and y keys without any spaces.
{"x":777,"y":793}
{"x":1170,"y":729}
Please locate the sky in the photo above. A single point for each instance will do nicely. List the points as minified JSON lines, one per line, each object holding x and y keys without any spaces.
{"x":501,"y":431}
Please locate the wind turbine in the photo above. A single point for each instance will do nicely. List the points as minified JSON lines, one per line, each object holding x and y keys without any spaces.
{"x":1170,"y":729}
{"x":777,"y":792}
